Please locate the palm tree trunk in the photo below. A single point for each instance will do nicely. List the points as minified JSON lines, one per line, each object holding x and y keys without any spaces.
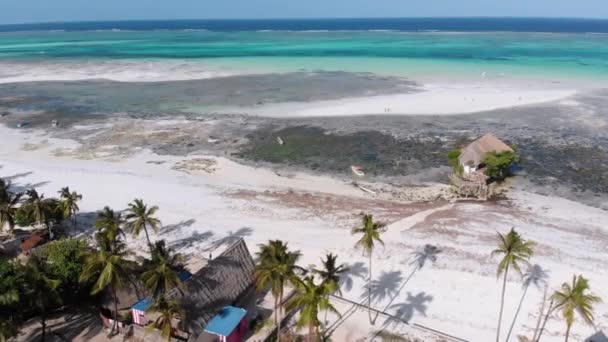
{"x":502,"y":303}
{"x":43,"y":323}
{"x":48,"y":226}
{"x":115,"y":323}
{"x":521,"y":301}
{"x":369,"y":291}
{"x":280,"y":308}
{"x":148,"y":238}
{"x":540,"y":314}
{"x":276,"y":311}
{"x":568,"y":332}
{"x":311,"y":330}
{"x":542,"y":328}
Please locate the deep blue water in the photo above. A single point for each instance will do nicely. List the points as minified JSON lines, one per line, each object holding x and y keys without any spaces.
{"x":561,"y":25}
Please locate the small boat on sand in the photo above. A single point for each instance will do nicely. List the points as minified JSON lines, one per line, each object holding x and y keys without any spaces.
{"x":22,"y":124}
{"x":55,"y":123}
{"x":280,"y":141}
{"x":357,"y":170}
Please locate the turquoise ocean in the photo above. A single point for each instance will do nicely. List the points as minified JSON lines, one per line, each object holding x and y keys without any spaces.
{"x":410,"y":47}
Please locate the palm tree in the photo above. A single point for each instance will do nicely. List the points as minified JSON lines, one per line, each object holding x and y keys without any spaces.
{"x":574,"y":298}
{"x":311,"y":298}
{"x":8,"y":329}
{"x":162,"y":274}
{"x":40,"y":290}
{"x":167,"y":310}
{"x":8,"y":210}
{"x":109,"y":266}
{"x":276,"y":268}
{"x":3,"y":190}
{"x":331,"y":272}
{"x":370,"y":232}
{"x":11,"y":284}
{"x":330,"y":275}
{"x":108,"y":224}
{"x":69,"y":204}
{"x":515,"y":251}
{"x":39,"y":209}
{"x":141,"y":217}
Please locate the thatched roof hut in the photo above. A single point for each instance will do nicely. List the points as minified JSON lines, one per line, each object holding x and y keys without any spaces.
{"x":474,"y":153}
{"x":223,"y":281}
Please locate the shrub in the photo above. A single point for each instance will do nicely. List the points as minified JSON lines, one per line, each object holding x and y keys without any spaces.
{"x":498,"y":164}
{"x":454,"y":162}
{"x":63,"y":262}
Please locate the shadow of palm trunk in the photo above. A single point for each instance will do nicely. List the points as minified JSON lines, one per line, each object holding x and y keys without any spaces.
{"x":330,"y":329}
{"x":521,"y":301}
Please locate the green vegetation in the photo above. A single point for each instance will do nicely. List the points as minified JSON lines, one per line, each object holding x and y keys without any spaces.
{"x":141,"y":217}
{"x":454,"y":162}
{"x":68,"y":271}
{"x":572,"y":298}
{"x":370,"y":234}
{"x":69,"y":204}
{"x":12,"y":283}
{"x":167,"y":310}
{"x":40,"y":290}
{"x":310,"y":299}
{"x":276,"y":268}
{"x":498,"y":164}
{"x":63,"y":259}
{"x":162,"y":274}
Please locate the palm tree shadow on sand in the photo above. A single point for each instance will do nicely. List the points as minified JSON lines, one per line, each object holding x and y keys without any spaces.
{"x":191,"y":241}
{"x":230,"y":238}
{"x":404,"y":312}
{"x":535,"y":275}
{"x":356,"y":270}
{"x":427,"y":254}
{"x":177,"y":227}
{"x":385,"y":286}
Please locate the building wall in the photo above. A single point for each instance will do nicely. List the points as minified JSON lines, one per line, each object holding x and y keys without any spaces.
{"x":239,"y":333}
{"x":469,"y":169}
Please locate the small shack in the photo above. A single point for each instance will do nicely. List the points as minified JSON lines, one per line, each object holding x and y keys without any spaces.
{"x":216,"y":300}
{"x":472,"y":156}
{"x":229,"y":325}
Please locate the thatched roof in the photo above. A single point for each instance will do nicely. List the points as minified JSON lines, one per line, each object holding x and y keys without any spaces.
{"x":221,"y":282}
{"x":475,"y":152}
{"x":129,"y":294}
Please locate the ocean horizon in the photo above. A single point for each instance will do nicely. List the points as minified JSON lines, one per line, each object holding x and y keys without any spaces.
{"x":412,"y":24}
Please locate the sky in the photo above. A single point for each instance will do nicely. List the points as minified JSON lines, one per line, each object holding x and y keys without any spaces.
{"x":29,"y":11}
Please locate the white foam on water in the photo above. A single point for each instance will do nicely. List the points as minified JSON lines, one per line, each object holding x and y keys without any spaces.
{"x":116,"y":70}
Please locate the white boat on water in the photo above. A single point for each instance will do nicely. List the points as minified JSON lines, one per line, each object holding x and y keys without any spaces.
{"x":357,"y":170}
{"x":280,"y":141}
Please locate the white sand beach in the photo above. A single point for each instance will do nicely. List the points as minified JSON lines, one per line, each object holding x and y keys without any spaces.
{"x":204,"y":207}
{"x":433,"y":99}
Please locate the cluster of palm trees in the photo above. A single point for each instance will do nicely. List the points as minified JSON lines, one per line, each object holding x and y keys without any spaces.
{"x":277,"y":268}
{"x":112,"y":267}
{"x":107,"y":263}
{"x":31,"y":208}
{"x":570,"y":299}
